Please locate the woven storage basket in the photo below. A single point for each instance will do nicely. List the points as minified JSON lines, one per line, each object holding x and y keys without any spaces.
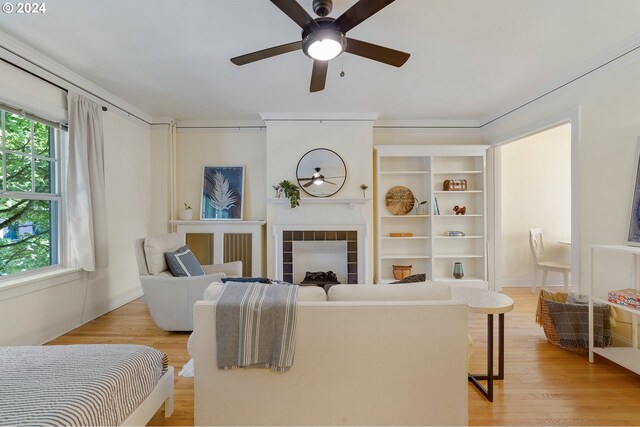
{"x":550,"y":330}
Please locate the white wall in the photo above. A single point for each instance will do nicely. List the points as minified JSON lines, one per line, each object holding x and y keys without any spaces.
{"x":199,"y":147}
{"x":127,"y":181}
{"x":430,"y":136}
{"x":43,"y":308}
{"x":536,"y":192}
{"x":609,"y":127}
{"x":161,"y":181}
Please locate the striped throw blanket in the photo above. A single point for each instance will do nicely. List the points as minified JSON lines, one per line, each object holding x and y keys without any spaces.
{"x":255,"y":326}
{"x":76,"y":385}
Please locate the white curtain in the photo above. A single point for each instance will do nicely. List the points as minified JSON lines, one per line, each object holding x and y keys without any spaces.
{"x":85,"y":189}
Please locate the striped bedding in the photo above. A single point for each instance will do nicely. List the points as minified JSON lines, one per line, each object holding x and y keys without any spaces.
{"x":76,"y":384}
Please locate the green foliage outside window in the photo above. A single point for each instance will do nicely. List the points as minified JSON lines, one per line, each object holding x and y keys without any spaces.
{"x":28,"y":200}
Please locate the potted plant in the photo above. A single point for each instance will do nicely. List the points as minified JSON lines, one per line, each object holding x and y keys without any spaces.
{"x":290,"y":191}
{"x":421,"y":206}
{"x":186,"y":214}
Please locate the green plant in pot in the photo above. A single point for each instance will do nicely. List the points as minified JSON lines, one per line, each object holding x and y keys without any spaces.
{"x":290,"y":191}
{"x":420,"y":206}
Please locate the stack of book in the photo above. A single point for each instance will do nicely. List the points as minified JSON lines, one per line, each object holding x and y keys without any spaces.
{"x":626,"y":297}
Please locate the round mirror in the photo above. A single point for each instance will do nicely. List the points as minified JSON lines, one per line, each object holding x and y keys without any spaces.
{"x":321,"y":172}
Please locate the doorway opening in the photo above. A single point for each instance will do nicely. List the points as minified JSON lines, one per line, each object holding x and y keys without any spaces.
{"x":534,"y":190}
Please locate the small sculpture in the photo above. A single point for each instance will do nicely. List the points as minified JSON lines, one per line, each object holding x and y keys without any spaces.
{"x":460,"y":210}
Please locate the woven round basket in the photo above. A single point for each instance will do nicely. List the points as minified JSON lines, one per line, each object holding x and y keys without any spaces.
{"x":550,"y":330}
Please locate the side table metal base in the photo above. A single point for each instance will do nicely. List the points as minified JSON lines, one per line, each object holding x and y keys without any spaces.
{"x":489,"y":377}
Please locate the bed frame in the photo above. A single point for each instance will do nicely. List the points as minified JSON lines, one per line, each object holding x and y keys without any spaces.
{"x":161,"y":394}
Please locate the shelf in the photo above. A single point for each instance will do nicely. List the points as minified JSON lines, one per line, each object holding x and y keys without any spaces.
{"x":613,"y":304}
{"x":405,"y":238}
{"x":456,"y":172}
{"x":459,"y":216}
{"x":404,"y":216}
{"x":425,"y":167}
{"x":400,"y":173}
{"x":457,"y":237}
{"x":619,"y":248}
{"x":321,"y":201}
{"x":405,"y":257}
{"x":457,"y":192}
{"x":627,"y":357}
{"x":456,"y":256}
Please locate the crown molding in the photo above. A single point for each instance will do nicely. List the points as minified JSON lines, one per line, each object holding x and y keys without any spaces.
{"x":35,"y":62}
{"x":618,"y":54}
{"x":315,"y":117}
{"x":427,"y":124}
{"x":219,"y":124}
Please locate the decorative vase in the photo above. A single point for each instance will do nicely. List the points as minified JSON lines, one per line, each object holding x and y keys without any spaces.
{"x":401,"y":271}
{"x":458,"y":273}
{"x":186,"y":214}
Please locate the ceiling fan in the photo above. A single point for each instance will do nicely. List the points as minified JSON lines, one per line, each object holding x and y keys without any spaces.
{"x":324,"y":38}
{"x":318,"y":179}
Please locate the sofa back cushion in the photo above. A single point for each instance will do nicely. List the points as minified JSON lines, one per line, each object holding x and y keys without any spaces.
{"x":156,"y":246}
{"x":399,"y":292}
{"x":305,"y":293}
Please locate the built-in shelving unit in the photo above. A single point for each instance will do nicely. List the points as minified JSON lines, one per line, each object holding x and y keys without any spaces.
{"x":629,"y":356}
{"x":423,"y":169}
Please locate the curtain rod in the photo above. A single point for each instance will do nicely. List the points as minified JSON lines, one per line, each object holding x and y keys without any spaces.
{"x":104,"y":108}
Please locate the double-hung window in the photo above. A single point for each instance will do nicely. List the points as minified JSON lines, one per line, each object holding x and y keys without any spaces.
{"x":30,"y":200}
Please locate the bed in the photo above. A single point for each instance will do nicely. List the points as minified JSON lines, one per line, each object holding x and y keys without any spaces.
{"x":99,"y":384}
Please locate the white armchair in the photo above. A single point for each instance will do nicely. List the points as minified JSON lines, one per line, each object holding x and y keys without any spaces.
{"x":170,"y":299}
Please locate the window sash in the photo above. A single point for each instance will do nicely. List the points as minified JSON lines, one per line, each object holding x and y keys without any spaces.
{"x":53,"y":195}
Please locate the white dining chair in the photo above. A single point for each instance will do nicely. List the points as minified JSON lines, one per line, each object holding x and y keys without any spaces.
{"x":540,"y":261}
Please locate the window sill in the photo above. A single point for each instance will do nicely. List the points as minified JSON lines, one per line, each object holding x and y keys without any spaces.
{"x":11,"y":288}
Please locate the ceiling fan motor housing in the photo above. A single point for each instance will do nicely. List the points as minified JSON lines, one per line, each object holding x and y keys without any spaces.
{"x":322,"y":7}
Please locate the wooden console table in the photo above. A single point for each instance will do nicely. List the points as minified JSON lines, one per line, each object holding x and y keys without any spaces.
{"x":219,"y":229}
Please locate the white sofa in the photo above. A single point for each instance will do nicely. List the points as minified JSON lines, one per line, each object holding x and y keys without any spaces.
{"x":365,"y":355}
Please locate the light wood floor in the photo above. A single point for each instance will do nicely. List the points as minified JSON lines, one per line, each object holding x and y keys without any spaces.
{"x":544,"y":385}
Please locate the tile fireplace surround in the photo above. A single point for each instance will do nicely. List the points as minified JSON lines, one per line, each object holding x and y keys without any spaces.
{"x":290,"y":236}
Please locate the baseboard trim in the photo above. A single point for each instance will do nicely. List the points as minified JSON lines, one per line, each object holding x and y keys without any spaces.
{"x":44,"y":335}
{"x":527,"y":283}
{"x":98,"y":310}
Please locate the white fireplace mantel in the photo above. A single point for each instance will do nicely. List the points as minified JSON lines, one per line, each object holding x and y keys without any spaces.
{"x":322,"y":201}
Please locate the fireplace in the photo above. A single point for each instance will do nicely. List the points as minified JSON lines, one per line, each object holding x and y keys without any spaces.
{"x":320,"y":250}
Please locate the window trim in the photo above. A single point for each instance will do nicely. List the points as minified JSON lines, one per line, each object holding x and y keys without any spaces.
{"x":60,"y":258}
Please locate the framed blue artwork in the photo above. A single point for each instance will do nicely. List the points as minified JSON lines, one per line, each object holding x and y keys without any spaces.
{"x":634,"y":219}
{"x":222,"y":193}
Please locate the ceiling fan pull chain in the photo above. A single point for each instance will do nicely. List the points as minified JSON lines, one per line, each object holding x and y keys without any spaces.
{"x":341,"y":65}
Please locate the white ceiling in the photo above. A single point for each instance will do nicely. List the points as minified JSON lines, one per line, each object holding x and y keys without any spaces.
{"x":469,"y":58}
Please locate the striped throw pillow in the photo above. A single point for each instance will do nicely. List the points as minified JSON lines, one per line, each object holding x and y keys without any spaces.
{"x":182,"y":263}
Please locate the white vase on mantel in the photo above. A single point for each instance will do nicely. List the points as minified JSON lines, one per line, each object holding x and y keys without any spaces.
{"x":186,"y":214}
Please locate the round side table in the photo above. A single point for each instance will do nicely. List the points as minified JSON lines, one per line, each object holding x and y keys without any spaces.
{"x":489,"y":303}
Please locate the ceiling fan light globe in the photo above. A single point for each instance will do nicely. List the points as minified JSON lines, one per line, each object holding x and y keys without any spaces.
{"x":324,"y":45}
{"x":324,"y":50}
{"x":318,"y":181}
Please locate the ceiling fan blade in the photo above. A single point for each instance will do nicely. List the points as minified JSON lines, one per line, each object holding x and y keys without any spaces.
{"x":318,"y":75}
{"x":308,"y":184}
{"x":305,"y":179}
{"x":377,"y":52}
{"x":329,"y":182}
{"x":296,"y":12}
{"x":266,"y":53}
{"x":357,"y":13}
{"x":339,"y":176}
